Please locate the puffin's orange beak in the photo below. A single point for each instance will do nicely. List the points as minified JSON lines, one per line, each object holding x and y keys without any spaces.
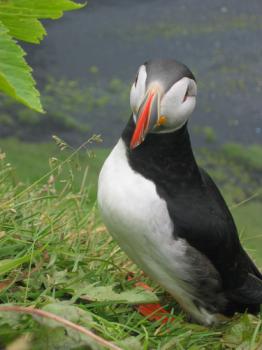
{"x":147,"y":118}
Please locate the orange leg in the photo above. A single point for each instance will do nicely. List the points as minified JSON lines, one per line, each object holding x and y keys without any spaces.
{"x":153,"y":312}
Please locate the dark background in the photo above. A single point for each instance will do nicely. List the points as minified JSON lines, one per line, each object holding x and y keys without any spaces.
{"x":220,"y":41}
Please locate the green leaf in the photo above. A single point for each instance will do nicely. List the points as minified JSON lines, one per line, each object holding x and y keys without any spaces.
{"x":21,"y":16}
{"x":19,"y":20}
{"x":15,"y":75}
{"x":37,"y":8}
{"x":26,"y":29}
{"x":106,"y":293}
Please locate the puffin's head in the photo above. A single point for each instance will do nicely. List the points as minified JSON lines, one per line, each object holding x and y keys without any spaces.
{"x":162,"y":98}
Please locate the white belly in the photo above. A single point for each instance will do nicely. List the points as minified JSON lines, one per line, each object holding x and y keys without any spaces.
{"x":138,"y":219}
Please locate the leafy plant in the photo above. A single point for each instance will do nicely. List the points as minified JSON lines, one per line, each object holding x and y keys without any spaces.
{"x":19,"y":19}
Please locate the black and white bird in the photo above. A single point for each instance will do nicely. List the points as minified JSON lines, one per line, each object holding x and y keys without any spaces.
{"x":165,"y":211}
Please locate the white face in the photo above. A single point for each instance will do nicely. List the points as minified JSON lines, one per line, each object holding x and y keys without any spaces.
{"x":138,"y":90}
{"x":175,"y":105}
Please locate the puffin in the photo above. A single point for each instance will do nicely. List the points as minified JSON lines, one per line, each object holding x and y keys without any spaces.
{"x":166,"y":212}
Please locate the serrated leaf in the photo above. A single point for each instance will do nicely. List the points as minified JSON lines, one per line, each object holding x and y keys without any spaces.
{"x":38,"y":8}
{"x":15,"y":75}
{"x":19,"y":19}
{"x":50,"y":5}
{"x":26,"y":29}
{"x":107,"y":293}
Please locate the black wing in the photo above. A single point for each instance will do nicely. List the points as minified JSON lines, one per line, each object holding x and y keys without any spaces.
{"x":207,"y":224}
{"x":201,"y":216}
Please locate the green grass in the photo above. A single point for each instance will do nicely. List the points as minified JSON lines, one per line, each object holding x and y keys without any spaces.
{"x":30,"y":162}
{"x":56,"y":255}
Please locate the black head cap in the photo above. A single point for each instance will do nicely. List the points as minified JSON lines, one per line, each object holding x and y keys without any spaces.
{"x":167,"y":72}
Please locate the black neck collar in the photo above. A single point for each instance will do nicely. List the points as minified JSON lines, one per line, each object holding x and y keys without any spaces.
{"x":167,"y":153}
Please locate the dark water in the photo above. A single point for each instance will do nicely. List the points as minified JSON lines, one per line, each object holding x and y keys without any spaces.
{"x":220,"y":41}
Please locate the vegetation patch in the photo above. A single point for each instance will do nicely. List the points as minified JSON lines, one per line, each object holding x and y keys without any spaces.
{"x":57,"y":257}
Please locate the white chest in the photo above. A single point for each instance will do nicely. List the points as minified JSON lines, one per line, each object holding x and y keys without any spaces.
{"x":136,"y":216}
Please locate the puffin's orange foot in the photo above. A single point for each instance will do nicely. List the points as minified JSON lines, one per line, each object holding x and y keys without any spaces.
{"x":154,"y":312}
